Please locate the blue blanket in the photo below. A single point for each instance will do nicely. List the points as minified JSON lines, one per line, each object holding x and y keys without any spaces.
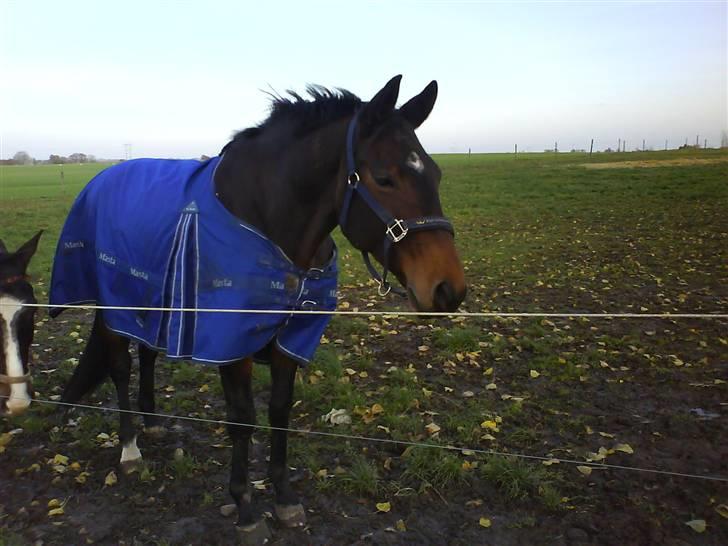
{"x":152,"y":233}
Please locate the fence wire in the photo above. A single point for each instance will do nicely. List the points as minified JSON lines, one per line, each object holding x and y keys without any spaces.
{"x":340,"y":436}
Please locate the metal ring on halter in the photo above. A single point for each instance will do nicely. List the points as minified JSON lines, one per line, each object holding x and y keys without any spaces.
{"x":353,"y":179}
{"x":386,"y":285}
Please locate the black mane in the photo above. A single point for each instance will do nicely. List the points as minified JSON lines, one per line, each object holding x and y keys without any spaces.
{"x":324,"y":106}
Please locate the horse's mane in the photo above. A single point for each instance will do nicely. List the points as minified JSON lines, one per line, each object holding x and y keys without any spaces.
{"x":305,"y":114}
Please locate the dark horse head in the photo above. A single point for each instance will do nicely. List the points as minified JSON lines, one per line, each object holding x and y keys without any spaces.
{"x":342,"y":161}
{"x":16,"y":327}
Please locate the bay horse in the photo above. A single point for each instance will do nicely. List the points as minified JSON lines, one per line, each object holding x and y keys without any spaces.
{"x":314,"y":164}
{"x":16,"y":326}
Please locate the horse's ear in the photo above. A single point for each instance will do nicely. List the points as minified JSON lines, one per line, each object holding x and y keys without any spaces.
{"x":380,"y":107}
{"x":418,"y":108}
{"x":23,"y":255}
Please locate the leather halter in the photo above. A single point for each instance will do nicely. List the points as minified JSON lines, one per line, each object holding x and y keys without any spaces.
{"x":396,"y":229}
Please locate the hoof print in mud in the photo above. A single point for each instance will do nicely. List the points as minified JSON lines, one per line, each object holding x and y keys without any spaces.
{"x":291,"y":515}
{"x":255,"y":534}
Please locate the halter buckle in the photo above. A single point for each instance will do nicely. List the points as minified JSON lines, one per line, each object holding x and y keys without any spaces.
{"x":353,"y":179}
{"x":392,"y":228}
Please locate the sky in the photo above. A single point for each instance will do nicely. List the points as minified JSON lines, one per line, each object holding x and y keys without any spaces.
{"x":176,"y":79}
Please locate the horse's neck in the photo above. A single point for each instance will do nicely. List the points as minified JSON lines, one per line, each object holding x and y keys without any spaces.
{"x":287,"y":192}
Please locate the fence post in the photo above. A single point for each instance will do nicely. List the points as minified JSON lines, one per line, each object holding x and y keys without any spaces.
{"x":591,"y":147}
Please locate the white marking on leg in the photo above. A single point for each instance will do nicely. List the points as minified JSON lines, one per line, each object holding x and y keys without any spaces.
{"x":130,"y":452}
{"x":414,"y":161}
{"x":19,"y":397}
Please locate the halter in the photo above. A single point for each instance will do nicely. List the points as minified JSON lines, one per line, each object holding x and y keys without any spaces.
{"x":7,"y":379}
{"x":396,"y":229}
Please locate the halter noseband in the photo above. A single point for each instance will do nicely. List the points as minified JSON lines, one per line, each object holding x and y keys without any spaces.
{"x":396,"y":228}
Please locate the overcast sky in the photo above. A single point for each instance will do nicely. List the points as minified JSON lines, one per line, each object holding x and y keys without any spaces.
{"x":175,"y":79}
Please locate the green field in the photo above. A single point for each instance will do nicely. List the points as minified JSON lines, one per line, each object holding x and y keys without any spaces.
{"x":546,"y":232}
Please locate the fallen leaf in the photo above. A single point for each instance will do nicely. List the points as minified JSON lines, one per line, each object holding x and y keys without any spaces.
{"x":54,"y":503}
{"x":722,"y":509}
{"x":485,"y":522}
{"x":697,"y":525}
{"x":586,"y":470}
{"x":626,"y":448}
{"x":60,"y":459}
{"x":401,"y":527}
{"x":534,"y":374}
{"x":111,"y":479}
{"x":491,"y":425}
{"x":491,"y":387}
{"x":432,"y":429}
{"x":204,"y":388}
{"x":56,"y":511}
{"x":384,"y":507}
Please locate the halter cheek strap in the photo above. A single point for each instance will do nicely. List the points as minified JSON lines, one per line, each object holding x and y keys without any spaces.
{"x":396,"y":229}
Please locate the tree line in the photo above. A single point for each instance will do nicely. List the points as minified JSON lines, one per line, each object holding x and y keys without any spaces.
{"x":24,"y":158}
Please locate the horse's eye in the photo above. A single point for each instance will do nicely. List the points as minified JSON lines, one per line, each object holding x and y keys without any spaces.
{"x":385,"y":182}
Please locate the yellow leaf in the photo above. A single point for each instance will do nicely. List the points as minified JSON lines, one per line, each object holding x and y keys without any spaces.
{"x":60,"y":459}
{"x":56,"y":512}
{"x":111,"y":479}
{"x":586,"y":470}
{"x":491,"y":387}
{"x":377,"y":409}
{"x":534,"y":374}
{"x":485,"y":522}
{"x":363,"y":375}
{"x":81,"y":478}
{"x":491,"y":425}
{"x":697,"y":525}
{"x":626,"y":448}
{"x":384,"y":507}
{"x":549,"y":462}
{"x":489,"y":371}
{"x":54,"y":503}
{"x":5,"y":438}
{"x":722,"y":509}
{"x":204,"y":388}
{"x":432,"y":428}
{"x":487,"y":437}
{"x":401,"y":527}
{"x":75,"y":466}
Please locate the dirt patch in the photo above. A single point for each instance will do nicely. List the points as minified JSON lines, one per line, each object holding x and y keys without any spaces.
{"x":651,"y":163}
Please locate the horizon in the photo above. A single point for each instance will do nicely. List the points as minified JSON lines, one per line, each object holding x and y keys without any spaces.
{"x":92,"y":80}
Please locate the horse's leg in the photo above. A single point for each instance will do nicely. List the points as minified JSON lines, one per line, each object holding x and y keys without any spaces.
{"x":236,"y":381}
{"x":283,"y":373}
{"x":120,"y":371}
{"x":147,"y":358}
{"x":93,"y":367}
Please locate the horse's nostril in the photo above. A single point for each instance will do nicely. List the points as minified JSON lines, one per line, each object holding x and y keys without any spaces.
{"x":444,"y":298}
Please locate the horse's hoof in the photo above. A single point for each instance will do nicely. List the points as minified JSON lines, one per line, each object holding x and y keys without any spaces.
{"x":255,"y":534}
{"x":134,"y":465}
{"x":292,"y":515}
{"x":156,"y":431}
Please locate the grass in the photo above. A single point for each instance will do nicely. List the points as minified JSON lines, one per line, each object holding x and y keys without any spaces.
{"x":539,"y":232}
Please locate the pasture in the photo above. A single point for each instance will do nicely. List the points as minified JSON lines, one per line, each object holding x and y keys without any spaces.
{"x":540,"y":232}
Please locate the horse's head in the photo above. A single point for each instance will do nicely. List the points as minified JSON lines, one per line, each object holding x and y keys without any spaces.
{"x":16,"y":327}
{"x":390,"y":179}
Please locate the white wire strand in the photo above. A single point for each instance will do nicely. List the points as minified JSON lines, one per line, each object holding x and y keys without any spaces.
{"x":463,"y":450}
{"x":431,"y":314}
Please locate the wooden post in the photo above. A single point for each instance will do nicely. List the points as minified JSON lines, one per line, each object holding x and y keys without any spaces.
{"x":643,"y":144}
{"x":705,"y":145}
{"x":591,"y":147}
{"x":515,"y":150}
{"x":556,"y":147}
{"x":619,"y":145}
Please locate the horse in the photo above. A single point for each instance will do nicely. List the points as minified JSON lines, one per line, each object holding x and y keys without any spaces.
{"x":317,"y":162}
{"x":17,"y":323}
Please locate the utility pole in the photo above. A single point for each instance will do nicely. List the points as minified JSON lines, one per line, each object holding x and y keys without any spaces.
{"x":515,"y":150}
{"x":619,"y":145}
{"x":643,"y":144}
{"x":556,"y":147}
{"x":697,"y":141}
{"x":665,"y":144}
{"x":591,"y":147}
{"x":705,"y":145}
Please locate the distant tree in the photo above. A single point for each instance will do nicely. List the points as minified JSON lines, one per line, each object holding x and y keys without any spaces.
{"x":91,"y":158}
{"x":77,"y":158}
{"x":22,"y":158}
{"x":724,"y":139}
{"x":56,"y":159}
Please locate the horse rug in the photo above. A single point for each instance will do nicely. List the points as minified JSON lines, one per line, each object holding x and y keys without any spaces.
{"x":151,"y":233}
